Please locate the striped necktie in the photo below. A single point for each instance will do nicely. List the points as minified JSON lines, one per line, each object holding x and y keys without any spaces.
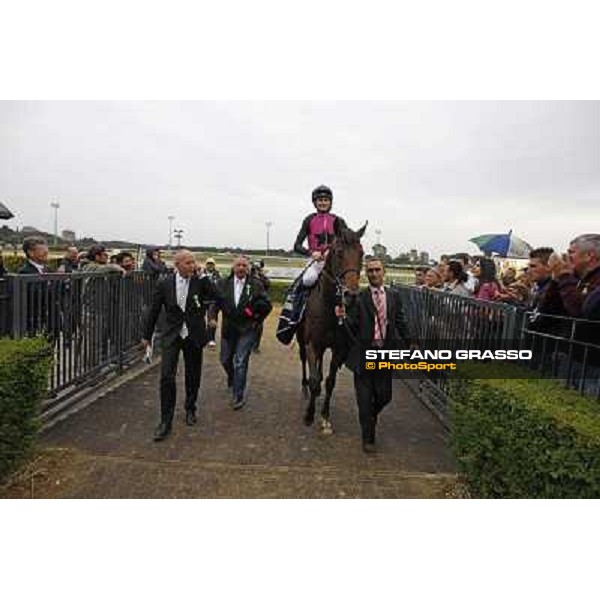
{"x":379,"y":333}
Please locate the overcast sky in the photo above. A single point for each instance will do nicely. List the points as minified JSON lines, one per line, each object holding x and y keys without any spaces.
{"x":430,"y":175}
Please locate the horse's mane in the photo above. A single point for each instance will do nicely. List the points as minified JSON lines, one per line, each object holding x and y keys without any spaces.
{"x":348,"y":237}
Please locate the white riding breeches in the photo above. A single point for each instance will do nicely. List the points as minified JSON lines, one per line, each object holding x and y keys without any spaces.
{"x":311,"y":275}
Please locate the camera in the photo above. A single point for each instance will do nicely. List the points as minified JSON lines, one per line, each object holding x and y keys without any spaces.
{"x":257,"y":266}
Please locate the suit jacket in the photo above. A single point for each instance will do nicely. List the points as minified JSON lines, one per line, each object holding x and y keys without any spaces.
{"x":30,"y":269}
{"x":43,"y":298}
{"x":360,"y":321}
{"x":581,"y":298}
{"x":546,"y":300}
{"x":253,"y":308}
{"x":201,"y":292}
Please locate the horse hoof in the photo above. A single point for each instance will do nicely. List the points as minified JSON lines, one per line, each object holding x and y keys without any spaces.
{"x":308,"y":420}
{"x":326,"y":427}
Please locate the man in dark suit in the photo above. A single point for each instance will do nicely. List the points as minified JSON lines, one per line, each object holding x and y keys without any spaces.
{"x":375,"y":316}
{"x":36,"y":252}
{"x":184,"y":297}
{"x":245,"y":305}
{"x":42,"y":295}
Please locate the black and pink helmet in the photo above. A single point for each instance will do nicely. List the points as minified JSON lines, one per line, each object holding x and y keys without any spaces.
{"x":322,"y":192}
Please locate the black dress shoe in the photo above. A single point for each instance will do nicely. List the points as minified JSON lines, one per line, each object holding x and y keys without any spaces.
{"x":238,"y":403}
{"x":162,"y":431}
{"x":190,"y":418}
{"x":369,"y":448}
{"x":371,"y":438}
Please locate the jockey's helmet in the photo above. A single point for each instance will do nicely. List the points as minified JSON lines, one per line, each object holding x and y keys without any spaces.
{"x":322,"y":192}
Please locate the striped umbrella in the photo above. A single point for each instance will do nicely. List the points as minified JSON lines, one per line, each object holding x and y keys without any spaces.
{"x":506,"y":245}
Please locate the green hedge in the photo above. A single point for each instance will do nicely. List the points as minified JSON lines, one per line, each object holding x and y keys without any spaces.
{"x":525,"y":438}
{"x":24,"y":371}
{"x":13,"y":263}
{"x":277,"y":290}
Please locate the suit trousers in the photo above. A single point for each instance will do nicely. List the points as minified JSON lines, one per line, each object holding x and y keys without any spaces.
{"x":373,"y":393}
{"x":192,"y":358}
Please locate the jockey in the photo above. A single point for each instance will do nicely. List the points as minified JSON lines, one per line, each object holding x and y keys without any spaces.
{"x":319,"y":228}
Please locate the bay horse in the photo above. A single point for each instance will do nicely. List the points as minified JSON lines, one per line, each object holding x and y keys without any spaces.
{"x":318,"y":330}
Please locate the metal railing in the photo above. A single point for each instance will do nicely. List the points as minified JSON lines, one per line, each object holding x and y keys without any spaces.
{"x":92,"y":321}
{"x":5,"y":307}
{"x":564,"y":348}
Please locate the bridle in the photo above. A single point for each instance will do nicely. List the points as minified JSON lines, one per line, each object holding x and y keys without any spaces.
{"x":338,"y":280}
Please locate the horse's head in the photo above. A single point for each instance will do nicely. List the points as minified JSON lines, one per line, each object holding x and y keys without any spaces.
{"x":344,"y":261}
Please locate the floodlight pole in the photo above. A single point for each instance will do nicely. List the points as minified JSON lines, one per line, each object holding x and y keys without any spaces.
{"x":55,"y":206}
{"x":170,"y":217}
{"x":269,"y":224}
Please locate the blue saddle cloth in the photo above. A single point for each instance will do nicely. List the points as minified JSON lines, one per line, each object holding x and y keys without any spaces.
{"x":292,"y":311}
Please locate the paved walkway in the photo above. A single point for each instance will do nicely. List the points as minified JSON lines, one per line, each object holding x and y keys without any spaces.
{"x":263,"y":451}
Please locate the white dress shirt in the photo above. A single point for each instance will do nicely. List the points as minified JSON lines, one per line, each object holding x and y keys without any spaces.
{"x":182,"y":286}
{"x":471,"y":282}
{"x":41,"y":268}
{"x":238,"y":288}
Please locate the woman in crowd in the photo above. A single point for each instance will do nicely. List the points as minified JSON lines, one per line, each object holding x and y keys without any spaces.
{"x":488,"y":286}
{"x":433,"y":279}
{"x":455,"y":279}
{"x":509,"y":276}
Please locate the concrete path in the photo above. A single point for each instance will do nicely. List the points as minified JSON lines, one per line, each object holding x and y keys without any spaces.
{"x":263,"y":451}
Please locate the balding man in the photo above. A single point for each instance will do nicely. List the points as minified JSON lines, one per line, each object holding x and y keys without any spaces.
{"x":578,"y":283}
{"x":579,"y":280}
{"x":184,"y":297}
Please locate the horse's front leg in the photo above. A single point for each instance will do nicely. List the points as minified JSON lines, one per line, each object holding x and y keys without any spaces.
{"x":326,"y":427}
{"x":314,"y":383}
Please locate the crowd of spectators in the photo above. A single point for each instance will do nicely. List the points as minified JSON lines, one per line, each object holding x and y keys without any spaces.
{"x":94,"y":259}
{"x":97,"y":260}
{"x":552,"y":283}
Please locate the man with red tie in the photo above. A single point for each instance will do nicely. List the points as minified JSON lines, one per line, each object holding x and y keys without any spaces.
{"x":244,"y":304}
{"x":374,"y":318}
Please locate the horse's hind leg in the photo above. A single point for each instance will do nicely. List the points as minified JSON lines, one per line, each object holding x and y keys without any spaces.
{"x":326,"y":426}
{"x":304,"y":377}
